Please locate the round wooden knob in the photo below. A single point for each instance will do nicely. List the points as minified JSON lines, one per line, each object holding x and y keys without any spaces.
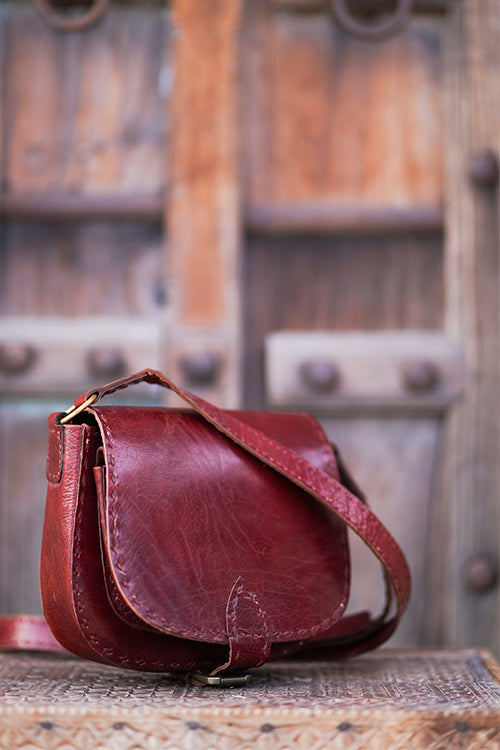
{"x":106,"y":362}
{"x":16,"y":359}
{"x":480,"y":573}
{"x":420,"y":375}
{"x":200,"y":367}
{"x":320,"y":374}
{"x":483,"y":168}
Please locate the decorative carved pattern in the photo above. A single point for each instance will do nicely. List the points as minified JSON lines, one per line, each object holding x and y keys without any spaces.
{"x":390,"y":699}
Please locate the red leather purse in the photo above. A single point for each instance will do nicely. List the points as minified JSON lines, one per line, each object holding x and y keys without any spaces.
{"x":201,"y":541}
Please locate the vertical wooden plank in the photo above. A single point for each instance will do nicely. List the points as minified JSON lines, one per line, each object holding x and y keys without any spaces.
{"x":469,"y":516}
{"x":84,"y":112}
{"x":23,"y":432}
{"x":336,"y":283}
{"x":2,"y":107}
{"x":203,"y":206}
{"x":76,"y":269}
{"x":327,"y":117}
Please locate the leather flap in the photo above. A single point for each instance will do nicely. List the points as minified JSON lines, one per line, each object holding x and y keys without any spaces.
{"x":186,"y":514}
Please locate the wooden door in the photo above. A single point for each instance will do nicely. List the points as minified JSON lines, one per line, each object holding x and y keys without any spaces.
{"x":280,"y":215}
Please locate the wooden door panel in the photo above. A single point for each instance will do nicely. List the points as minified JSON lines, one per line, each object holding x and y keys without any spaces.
{"x":328,"y":118}
{"x":414,"y":373}
{"x":78,"y":269}
{"x":23,"y":448}
{"x":337,"y":283}
{"x":85,"y":112}
{"x":84,"y":301}
{"x":394,"y":460}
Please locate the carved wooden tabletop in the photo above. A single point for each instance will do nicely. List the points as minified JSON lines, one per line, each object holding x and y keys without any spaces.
{"x":390,"y":699}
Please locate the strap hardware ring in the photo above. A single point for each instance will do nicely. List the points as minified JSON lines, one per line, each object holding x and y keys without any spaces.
{"x":73,"y":410}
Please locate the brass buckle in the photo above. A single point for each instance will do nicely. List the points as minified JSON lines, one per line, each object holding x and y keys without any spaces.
{"x":216,"y":681}
{"x":73,"y":410}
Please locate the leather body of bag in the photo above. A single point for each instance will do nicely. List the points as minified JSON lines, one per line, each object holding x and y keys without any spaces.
{"x":202,"y":541}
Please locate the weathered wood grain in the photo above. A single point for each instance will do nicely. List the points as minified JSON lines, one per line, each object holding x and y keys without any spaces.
{"x":23,"y":434}
{"x":336,"y":283}
{"x":70,"y":356}
{"x":469,"y":517}
{"x":327,"y":117}
{"x":203,"y":203}
{"x":85,"y":112}
{"x":81,"y":269}
{"x":330,"y":217}
{"x":393,"y":700}
{"x":412,"y":372}
{"x":394,"y":461}
{"x":73,"y":207}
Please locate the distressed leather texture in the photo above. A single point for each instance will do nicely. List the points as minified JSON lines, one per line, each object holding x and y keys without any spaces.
{"x":202,"y":539}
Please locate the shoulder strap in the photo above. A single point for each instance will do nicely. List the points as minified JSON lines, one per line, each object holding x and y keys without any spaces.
{"x":320,"y":485}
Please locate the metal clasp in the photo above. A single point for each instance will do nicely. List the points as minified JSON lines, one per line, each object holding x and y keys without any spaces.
{"x":216,"y":681}
{"x":73,"y":410}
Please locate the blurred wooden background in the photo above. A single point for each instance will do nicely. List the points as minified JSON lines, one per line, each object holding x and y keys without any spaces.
{"x":280,"y":215}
